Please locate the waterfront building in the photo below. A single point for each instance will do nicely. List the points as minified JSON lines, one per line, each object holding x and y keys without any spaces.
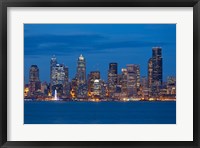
{"x":34,"y":81}
{"x":112,"y":78}
{"x":81,"y":70}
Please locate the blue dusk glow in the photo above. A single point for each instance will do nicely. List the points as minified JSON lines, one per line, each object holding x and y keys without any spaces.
{"x":100,"y":44}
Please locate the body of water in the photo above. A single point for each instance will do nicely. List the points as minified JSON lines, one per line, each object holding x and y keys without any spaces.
{"x":60,"y":112}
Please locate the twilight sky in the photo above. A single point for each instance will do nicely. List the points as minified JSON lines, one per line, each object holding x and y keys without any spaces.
{"x":100,"y":44}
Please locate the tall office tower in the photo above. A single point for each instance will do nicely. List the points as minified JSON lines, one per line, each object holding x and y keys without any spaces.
{"x":133,"y":79}
{"x":81,"y":70}
{"x":157,"y":65}
{"x":58,"y":78}
{"x":94,"y":75}
{"x":124,"y":81}
{"x":58,"y":74}
{"x":112,"y":78}
{"x":157,"y":70}
{"x":53,"y":63}
{"x":34,"y":81}
{"x":150,"y":73}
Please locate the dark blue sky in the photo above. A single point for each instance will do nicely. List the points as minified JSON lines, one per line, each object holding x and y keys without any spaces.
{"x":100,"y":44}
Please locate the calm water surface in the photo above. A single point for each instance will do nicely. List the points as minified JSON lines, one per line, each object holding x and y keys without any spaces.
{"x":99,"y":112}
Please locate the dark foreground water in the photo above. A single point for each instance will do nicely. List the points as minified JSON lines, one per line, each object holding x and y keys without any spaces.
{"x":99,"y":113}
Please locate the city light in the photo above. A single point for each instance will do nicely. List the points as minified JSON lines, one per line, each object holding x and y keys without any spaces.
{"x":125,"y":86}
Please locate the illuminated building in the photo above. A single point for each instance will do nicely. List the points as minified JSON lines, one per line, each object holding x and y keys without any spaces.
{"x":124,"y":81}
{"x":94,"y":75}
{"x":133,"y":79}
{"x":59,"y":77}
{"x":171,"y":85}
{"x":81,"y":70}
{"x":44,"y":88}
{"x":58,"y":74}
{"x":150,"y":73}
{"x":74,"y":88}
{"x":34,"y":81}
{"x":96,"y":88}
{"x":53,"y":63}
{"x":66,"y":85}
{"x":157,"y":65}
{"x":26,"y":90}
{"x":112,"y":78}
{"x":157,"y":70}
{"x":144,"y":82}
{"x":82,"y":91}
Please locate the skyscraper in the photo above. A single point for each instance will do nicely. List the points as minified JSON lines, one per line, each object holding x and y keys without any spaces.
{"x":133,"y":79}
{"x":81,"y":70}
{"x":58,"y":78}
{"x":53,"y":63}
{"x":124,"y":81}
{"x":155,"y":71}
{"x":157,"y":65}
{"x":58,"y":74}
{"x":150,"y":73}
{"x":34,"y":81}
{"x":112,"y":78}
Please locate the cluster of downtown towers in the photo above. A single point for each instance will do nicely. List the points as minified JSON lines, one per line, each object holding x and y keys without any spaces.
{"x":127,"y":84}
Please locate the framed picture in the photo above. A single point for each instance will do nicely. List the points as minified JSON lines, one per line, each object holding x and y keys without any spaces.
{"x":99,"y":73}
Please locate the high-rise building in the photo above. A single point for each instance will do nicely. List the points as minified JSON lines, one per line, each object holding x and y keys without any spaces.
{"x":34,"y":81}
{"x":112,"y":78}
{"x":94,"y":75}
{"x":157,"y":70}
{"x":53,"y":63}
{"x":124,"y":81}
{"x":133,"y":79}
{"x":58,"y":74}
{"x":150,"y":73}
{"x":157,"y":65}
{"x":59,"y":79}
{"x":81,"y":70}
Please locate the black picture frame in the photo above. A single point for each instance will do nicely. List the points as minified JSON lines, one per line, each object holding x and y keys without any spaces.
{"x":4,"y":4}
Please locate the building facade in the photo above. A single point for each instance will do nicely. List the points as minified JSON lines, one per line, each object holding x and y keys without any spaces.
{"x":112,"y":78}
{"x":81,"y":70}
{"x":34,"y":81}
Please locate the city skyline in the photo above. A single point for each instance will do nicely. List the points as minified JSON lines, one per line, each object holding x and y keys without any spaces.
{"x":126,"y":85}
{"x":123,"y":44}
